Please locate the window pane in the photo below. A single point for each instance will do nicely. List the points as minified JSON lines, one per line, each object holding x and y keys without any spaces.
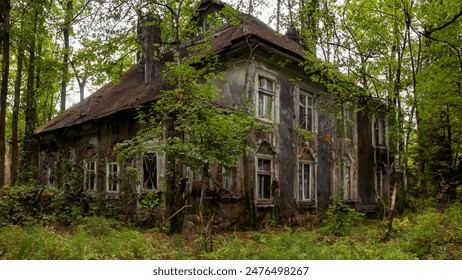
{"x":264,"y":165}
{"x":264,"y":186}
{"x":305,"y":178}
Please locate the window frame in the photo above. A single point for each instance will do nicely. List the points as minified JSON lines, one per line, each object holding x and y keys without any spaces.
{"x":259,"y":174}
{"x":51,"y":176}
{"x":155,"y":186}
{"x":110,"y":181}
{"x":311,"y":181}
{"x":265,"y":93}
{"x":229,"y":178}
{"x":88,"y":172}
{"x":307,"y":95}
{"x":380,"y":139}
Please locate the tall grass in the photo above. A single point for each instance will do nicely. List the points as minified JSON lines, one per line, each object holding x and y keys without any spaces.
{"x":430,"y":234}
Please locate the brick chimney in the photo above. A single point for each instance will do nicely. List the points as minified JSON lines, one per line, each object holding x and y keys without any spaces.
{"x":150,"y":35}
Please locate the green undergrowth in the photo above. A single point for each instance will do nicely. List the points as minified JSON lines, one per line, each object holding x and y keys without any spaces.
{"x":427,"y":234}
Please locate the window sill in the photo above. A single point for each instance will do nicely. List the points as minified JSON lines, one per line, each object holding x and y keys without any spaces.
{"x":306,"y":203}
{"x":263,"y":203}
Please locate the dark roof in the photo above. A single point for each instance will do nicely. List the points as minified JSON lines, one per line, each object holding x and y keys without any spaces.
{"x":252,"y":26}
{"x":131,"y":91}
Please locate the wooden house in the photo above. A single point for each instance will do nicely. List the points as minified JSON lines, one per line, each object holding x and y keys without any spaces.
{"x":289,"y":177}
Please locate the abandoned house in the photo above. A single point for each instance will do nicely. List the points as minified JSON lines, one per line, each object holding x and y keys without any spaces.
{"x":290,"y":178}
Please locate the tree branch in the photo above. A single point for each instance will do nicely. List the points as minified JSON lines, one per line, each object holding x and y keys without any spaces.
{"x":427,"y":33}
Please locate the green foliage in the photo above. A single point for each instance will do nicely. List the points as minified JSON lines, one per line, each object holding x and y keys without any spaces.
{"x":96,"y":239}
{"x":340,"y":219}
{"x":426,"y":234}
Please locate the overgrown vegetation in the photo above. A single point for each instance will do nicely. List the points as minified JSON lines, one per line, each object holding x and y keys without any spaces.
{"x":38,"y":231}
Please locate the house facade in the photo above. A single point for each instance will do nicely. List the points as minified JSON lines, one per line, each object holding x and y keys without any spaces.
{"x":312,"y":147}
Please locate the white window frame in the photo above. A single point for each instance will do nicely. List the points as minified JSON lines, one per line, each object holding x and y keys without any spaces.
{"x":305,"y":107}
{"x":88,"y":172}
{"x":112,"y":184}
{"x":266,"y":97}
{"x":259,"y":188}
{"x":302,"y":189}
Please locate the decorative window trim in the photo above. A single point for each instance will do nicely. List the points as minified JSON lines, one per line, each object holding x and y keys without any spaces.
{"x":89,"y":177}
{"x":112,"y":177}
{"x":267,"y":174}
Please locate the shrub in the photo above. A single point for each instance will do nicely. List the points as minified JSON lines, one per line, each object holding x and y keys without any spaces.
{"x":340,"y":219}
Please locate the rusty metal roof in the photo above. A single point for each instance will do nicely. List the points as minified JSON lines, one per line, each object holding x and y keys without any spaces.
{"x":131,"y":91}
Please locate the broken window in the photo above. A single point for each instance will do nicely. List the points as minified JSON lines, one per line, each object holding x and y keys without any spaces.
{"x":306,"y":111}
{"x":265,"y":101}
{"x":112,"y":177}
{"x":90,"y":175}
{"x":150,"y":171}
{"x":264,"y":178}
{"x":306,"y":180}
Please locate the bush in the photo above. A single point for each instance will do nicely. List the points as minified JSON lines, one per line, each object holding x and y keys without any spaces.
{"x":340,"y":219}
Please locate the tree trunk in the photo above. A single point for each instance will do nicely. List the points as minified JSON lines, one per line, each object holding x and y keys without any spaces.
{"x":30,"y":109}
{"x":66,"y":35}
{"x":391,"y":211}
{"x":5,"y":13}
{"x":14,"y":167}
